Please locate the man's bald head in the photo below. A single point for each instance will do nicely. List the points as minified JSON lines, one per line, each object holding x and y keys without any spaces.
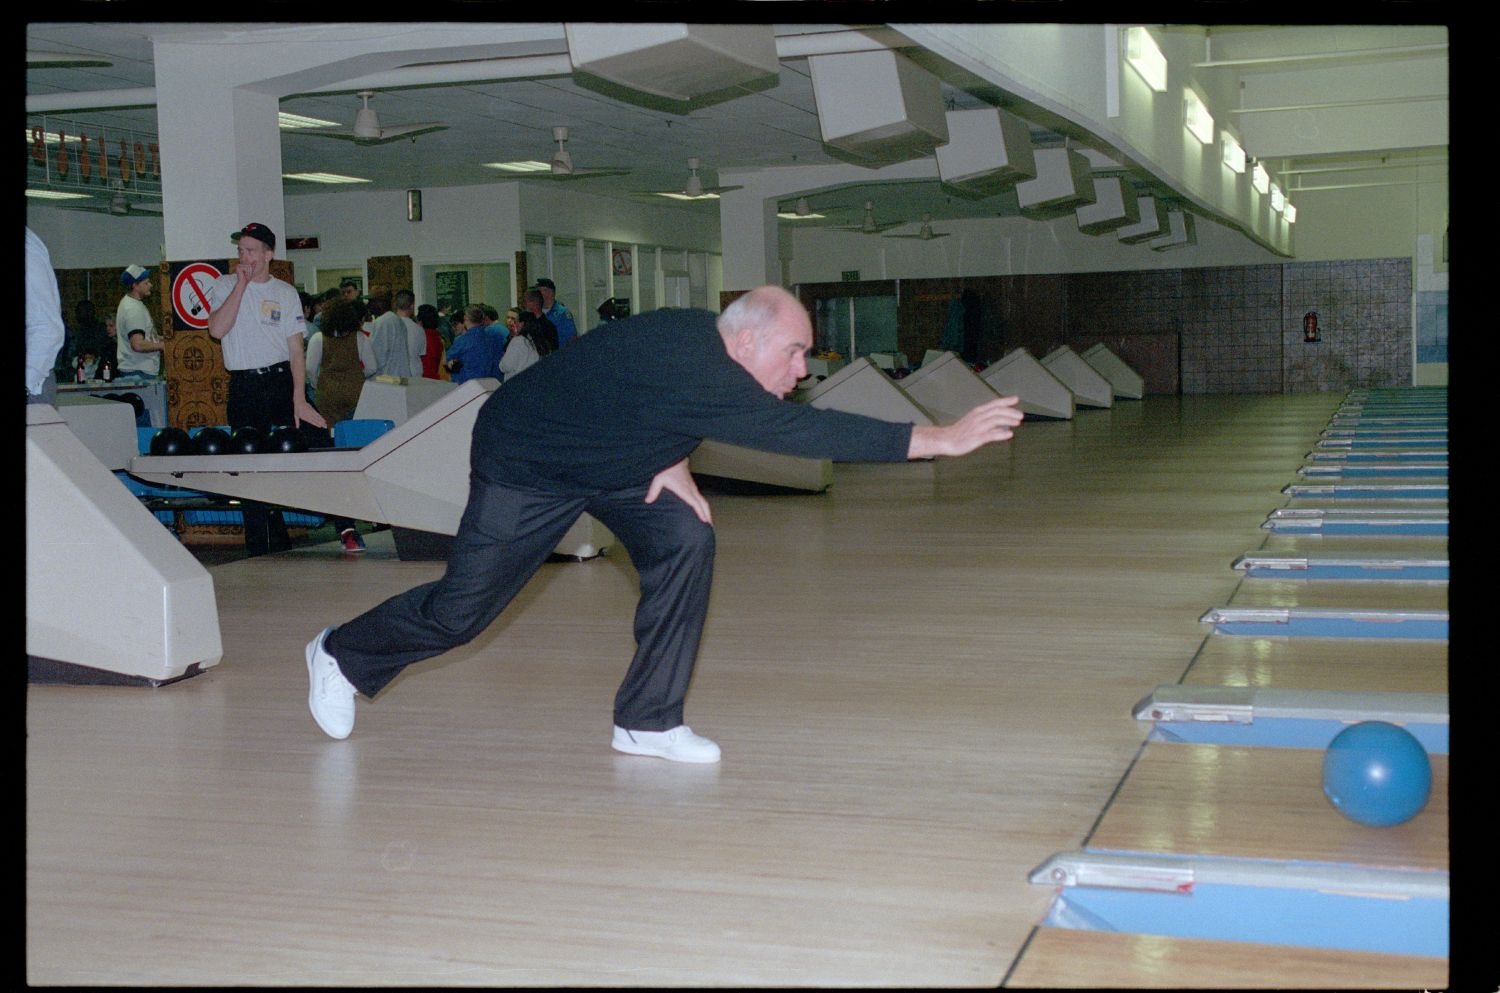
{"x":767,"y":331}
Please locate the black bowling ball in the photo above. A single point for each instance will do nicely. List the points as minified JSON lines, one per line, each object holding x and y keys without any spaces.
{"x":247,"y":441}
{"x":171,"y":441}
{"x":211,"y":441}
{"x":285,"y":440}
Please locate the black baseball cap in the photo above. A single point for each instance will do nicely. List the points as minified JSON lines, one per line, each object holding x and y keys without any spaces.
{"x":258,"y":231}
{"x":544,"y":281}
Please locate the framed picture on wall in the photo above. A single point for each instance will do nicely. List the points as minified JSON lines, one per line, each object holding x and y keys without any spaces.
{"x":620,"y":262}
{"x":452,"y":288}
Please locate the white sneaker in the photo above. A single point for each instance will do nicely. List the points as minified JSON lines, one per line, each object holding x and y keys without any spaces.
{"x":677,"y":745}
{"x":330,"y":696}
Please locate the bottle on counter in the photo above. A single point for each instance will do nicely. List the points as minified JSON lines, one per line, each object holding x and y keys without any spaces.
{"x":79,"y":376}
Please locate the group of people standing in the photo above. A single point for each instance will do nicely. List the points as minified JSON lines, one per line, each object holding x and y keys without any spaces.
{"x":486,"y":345}
{"x":394,"y":337}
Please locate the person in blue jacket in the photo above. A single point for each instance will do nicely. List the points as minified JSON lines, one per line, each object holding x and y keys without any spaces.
{"x":476,"y":350}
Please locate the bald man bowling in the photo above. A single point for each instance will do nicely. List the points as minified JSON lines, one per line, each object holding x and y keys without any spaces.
{"x":605,"y":427}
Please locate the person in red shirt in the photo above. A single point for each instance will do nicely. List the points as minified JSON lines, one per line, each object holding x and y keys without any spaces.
{"x":432,"y":359}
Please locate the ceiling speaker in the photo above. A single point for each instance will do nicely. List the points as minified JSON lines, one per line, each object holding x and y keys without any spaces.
{"x":987,"y":151}
{"x":1114,"y":207}
{"x":1152,"y":223}
{"x":878,"y":107}
{"x":1062,"y":183}
{"x":679,"y":62}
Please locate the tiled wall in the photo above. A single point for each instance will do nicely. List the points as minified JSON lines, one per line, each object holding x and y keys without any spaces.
{"x":1136,"y":315}
{"x":1239,"y":328}
{"x":1230,"y":329}
{"x":1364,"y":313}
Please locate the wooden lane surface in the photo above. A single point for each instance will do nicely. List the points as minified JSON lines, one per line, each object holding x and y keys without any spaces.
{"x":1260,"y":803}
{"x":1105,"y":960}
{"x":922,"y":682}
{"x":1370,"y":665}
{"x":1357,"y":546}
{"x":1339,"y":594}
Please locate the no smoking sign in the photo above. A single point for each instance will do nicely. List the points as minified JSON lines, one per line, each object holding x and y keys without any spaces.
{"x":190,"y":285}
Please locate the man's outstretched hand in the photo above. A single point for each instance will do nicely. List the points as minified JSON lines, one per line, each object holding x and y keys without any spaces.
{"x":989,"y":422}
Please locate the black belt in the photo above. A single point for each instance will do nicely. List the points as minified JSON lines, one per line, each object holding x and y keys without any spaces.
{"x":263,"y":370}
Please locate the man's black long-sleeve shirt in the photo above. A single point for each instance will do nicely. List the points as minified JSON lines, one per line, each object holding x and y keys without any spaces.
{"x":633,"y":397}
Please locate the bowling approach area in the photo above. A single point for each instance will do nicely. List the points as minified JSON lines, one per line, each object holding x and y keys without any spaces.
{"x":989,"y":721}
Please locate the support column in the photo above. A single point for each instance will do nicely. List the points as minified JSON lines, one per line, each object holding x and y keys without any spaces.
{"x":749,"y":239}
{"x":220,"y":150}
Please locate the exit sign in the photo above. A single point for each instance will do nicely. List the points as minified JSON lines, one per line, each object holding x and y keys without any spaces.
{"x":851,"y":275}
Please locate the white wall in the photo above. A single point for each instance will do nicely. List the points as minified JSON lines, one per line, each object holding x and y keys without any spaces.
{"x":84,"y":239}
{"x":459,"y":224}
{"x":565,"y":209}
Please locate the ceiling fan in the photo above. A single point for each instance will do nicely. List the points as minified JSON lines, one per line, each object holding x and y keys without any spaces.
{"x":925,"y":232}
{"x":63,"y":60}
{"x":121,"y":204}
{"x":367,"y":129}
{"x":870,"y":225}
{"x":804,"y":208}
{"x":562,"y":161}
{"x":694,"y":188}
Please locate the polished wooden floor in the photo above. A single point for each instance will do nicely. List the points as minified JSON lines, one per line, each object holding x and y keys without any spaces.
{"x":921,"y":680}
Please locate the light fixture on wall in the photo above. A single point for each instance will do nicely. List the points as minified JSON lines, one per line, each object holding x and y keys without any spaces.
{"x":413,"y":205}
{"x":1290,"y":213}
{"x":1260,"y":179}
{"x":1234,"y":153}
{"x":1196,"y":118}
{"x":1278,"y":199}
{"x":1142,"y":55}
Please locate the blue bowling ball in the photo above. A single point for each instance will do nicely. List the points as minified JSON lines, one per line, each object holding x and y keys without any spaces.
{"x":1376,"y":774}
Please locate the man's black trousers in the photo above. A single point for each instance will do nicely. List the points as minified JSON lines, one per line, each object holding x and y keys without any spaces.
{"x":505,"y":535}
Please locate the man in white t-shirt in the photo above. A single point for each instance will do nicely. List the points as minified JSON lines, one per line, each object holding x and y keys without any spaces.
{"x":137,"y":347}
{"x":259,"y":320}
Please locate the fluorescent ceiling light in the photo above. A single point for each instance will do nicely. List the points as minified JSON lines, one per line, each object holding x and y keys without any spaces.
{"x":1278,"y":199}
{"x":48,"y":137}
{"x":322,"y":177}
{"x":1145,"y":58}
{"x":1196,"y":118}
{"x":528,"y":166}
{"x":1260,"y":179}
{"x":1234,"y":155}
{"x":792,"y":215}
{"x":685,"y":196}
{"x":294,"y":121}
{"x":56,"y":195}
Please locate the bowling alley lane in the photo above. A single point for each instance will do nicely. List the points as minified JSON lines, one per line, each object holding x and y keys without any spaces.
{"x":1185,"y":812}
{"x":1340,"y":595}
{"x":1260,"y":803}
{"x":1357,"y":546}
{"x":1109,"y":959}
{"x":1371,"y":665}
